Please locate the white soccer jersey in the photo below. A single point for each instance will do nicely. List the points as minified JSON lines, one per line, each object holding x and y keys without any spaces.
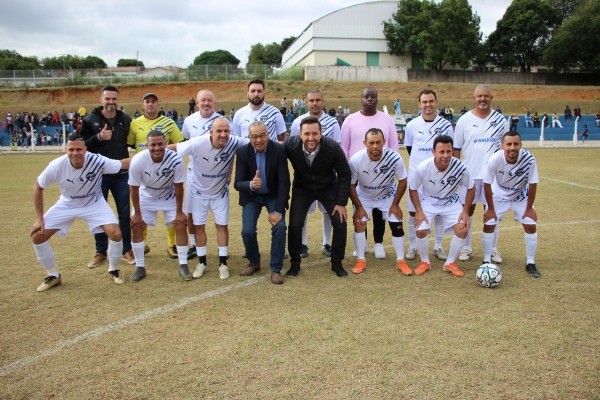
{"x":420,"y":134}
{"x":478,"y":139}
{"x":510,"y":182}
{"x":329,"y":126}
{"x":213,"y":166}
{"x":375,"y":179}
{"x":79,"y":187}
{"x":267,"y":114}
{"x":440,"y":188}
{"x":156,"y":180}
{"x":195,"y":125}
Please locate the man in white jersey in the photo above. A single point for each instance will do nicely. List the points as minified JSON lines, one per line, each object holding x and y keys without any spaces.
{"x":374,"y":171}
{"x":156,"y":178}
{"x":79,"y":178}
{"x":213,"y":161}
{"x":197,"y":124}
{"x":258,"y":110}
{"x":510,"y":183}
{"x":434,"y":193}
{"x":353,"y":133}
{"x":477,"y":136}
{"x":419,"y":137}
{"x":331,"y":129}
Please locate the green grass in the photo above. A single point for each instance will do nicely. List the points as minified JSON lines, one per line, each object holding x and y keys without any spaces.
{"x":378,"y":335}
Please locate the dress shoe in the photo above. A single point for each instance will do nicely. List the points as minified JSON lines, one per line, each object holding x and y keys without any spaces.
{"x":293,"y":271}
{"x":339,"y":269}
{"x":276,"y":277}
{"x":250,"y":270}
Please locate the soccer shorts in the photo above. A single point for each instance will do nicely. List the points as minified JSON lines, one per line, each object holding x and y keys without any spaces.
{"x":448,"y":215}
{"x":61,"y":216}
{"x":518,"y":207}
{"x":382,"y":205}
{"x":187,"y":198}
{"x":219,"y":207}
{"x":150,"y":209}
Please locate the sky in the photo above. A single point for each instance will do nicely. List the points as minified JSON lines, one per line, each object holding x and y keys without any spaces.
{"x":173,"y":32}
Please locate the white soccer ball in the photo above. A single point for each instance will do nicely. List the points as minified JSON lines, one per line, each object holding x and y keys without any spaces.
{"x":489,"y":275}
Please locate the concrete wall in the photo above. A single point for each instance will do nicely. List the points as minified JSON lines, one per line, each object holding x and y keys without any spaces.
{"x":358,"y":74}
{"x":510,"y":78}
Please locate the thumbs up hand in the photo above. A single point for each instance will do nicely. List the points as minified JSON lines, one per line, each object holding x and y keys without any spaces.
{"x":105,"y":133}
{"x":256,"y":181}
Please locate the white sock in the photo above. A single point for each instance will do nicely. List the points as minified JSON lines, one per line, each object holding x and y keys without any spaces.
{"x":182,"y":254}
{"x":201,"y":251}
{"x":487,"y":241}
{"x":138,"y":252}
{"x":468,"y":238}
{"x":191,"y":240}
{"x":304,"y":242}
{"x":398,"y":243}
{"x":223,"y":251}
{"x":456,"y":245}
{"x":496,"y":232}
{"x":531,"y":240}
{"x":45,"y":255}
{"x":327,"y":229}
{"x":412,"y":232}
{"x":115,"y":251}
{"x":360,"y":244}
{"x":423,"y":248}
{"x":439,"y":232}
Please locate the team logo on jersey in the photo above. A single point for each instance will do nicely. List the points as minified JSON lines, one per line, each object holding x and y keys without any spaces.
{"x":438,"y":131}
{"x":382,"y":170}
{"x":519,"y":172}
{"x":263,"y":118}
{"x":158,"y":128}
{"x":451,"y":180}
{"x":165,"y":172}
{"x":90,"y":176}
{"x":224,"y":156}
{"x":494,"y":124}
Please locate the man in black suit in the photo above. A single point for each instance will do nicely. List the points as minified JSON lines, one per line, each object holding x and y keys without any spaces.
{"x":321,"y":172}
{"x":263,"y":180}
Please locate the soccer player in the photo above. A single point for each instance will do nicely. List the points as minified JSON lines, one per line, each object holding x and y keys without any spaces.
{"x":419,"y":137}
{"x":197,"y":124}
{"x":78,"y":174}
{"x":156,"y":178}
{"x":434,"y":193}
{"x":140,"y":127}
{"x":331,"y":129}
{"x":374,"y":171}
{"x":258,"y":110}
{"x":476,"y":137}
{"x":213,"y":161}
{"x":353,"y":133}
{"x":510,"y":183}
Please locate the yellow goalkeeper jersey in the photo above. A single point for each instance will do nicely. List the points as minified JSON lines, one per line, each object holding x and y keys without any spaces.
{"x":140,"y":127}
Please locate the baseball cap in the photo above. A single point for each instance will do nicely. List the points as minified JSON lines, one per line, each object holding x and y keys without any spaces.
{"x":149,"y":95}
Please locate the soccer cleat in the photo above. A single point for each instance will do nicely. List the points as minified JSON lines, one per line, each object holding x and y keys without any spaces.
{"x":138,"y":274}
{"x":379,"y":250}
{"x":185,"y":272}
{"x":326,"y":249}
{"x":129,"y":257}
{"x":116,"y":277}
{"x":146,"y":249}
{"x":411,"y":254}
{"x":304,"y":252}
{"x":496,"y":258}
{"x":172,"y":252}
{"x":98,"y":260}
{"x":453,"y":269}
{"x":49,"y":282}
{"x":440,"y":254}
{"x":465,"y":254}
{"x":223,"y":271}
{"x":404,"y":268}
{"x":200,"y":268}
{"x":422,"y":268}
{"x":532,"y":270}
{"x":360,"y":266}
{"x":191,"y":254}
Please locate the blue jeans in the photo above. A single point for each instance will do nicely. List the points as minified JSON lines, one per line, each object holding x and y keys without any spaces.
{"x":118,"y":186}
{"x":250,"y":214}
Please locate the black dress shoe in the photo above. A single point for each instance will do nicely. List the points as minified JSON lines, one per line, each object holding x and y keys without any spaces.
{"x":293,"y":271}
{"x":339,"y":270}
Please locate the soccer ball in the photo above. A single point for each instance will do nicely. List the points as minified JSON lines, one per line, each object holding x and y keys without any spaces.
{"x":489,"y":275}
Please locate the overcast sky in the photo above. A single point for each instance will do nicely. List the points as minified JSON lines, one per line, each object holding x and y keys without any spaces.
{"x":171,"y":32}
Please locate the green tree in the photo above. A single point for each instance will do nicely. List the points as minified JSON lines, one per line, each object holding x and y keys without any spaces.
{"x":129,"y":62}
{"x":576,"y":42}
{"x":216,"y":57}
{"x":10,"y":59}
{"x":286,"y":43}
{"x":406,"y":33}
{"x":565,"y":8}
{"x":522,"y":34}
{"x":66,"y":61}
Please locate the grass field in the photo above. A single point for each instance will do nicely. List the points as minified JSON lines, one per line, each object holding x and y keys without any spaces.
{"x":378,"y":335}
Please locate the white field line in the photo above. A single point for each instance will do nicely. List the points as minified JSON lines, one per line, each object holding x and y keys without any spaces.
{"x":23,"y":362}
{"x":570,"y":183}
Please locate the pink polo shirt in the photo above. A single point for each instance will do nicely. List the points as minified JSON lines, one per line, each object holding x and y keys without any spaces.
{"x":356,"y":125}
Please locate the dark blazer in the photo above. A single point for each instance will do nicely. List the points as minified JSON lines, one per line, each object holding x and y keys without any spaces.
{"x":276,"y":168}
{"x":329,"y":173}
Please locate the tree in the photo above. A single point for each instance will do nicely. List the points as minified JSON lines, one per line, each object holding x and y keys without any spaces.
{"x":216,"y":57}
{"x":445,"y":33}
{"x":66,"y":61}
{"x":565,"y":8}
{"x":522,"y":34}
{"x":10,"y":59}
{"x":270,"y":54}
{"x":286,"y":43}
{"x":129,"y":62}
{"x":577,"y":40}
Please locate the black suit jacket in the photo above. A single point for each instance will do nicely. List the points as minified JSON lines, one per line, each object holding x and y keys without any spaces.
{"x":276,"y":169}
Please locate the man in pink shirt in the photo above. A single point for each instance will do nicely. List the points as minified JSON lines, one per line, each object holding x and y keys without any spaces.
{"x":353,"y":135}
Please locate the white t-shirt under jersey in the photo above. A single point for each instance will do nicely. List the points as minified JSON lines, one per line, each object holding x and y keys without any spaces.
{"x":156,"y":180}
{"x":376,"y":178}
{"x":510,"y":182}
{"x":79,"y":187}
{"x":478,"y":139}
{"x":212,"y":165}
{"x":267,"y":114}
{"x":420,"y":134}
{"x":329,"y":126}
{"x":440,"y":188}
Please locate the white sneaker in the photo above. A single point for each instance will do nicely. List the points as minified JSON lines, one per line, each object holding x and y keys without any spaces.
{"x":440,"y":254}
{"x":465,"y":254}
{"x":200,"y":268}
{"x":411,"y":254}
{"x":379,"y":250}
{"x":223,"y":272}
{"x":496,"y":258}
